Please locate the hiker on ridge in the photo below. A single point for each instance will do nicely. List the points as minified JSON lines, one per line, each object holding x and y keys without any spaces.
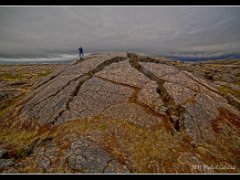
{"x":80,"y":52}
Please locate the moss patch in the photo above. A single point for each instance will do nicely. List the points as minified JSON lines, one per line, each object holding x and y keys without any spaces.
{"x":10,"y":77}
{"x":225,"y":90}
{"x":16,"y":138}
{"x":6,"y":106}
{"x":45,"y":72}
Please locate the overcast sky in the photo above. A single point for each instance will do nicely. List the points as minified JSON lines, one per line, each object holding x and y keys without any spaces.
{"x":192,"y":31}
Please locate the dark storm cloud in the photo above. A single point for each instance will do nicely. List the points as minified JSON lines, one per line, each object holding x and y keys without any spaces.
{"x":190,"y":31}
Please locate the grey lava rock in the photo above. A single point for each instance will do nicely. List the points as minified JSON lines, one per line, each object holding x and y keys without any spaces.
{"x":89,"y":157}
{"x":3,"y":154}
{"x":5,"y":163}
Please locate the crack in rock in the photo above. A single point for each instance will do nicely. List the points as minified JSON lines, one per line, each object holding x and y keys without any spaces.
{"x":231,"y":99}
{"x":83,"y":79}
{"x":174,"y":111}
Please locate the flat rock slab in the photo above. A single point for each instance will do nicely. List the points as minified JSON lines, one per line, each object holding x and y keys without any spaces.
{"x":88,"y":157}
{"x":198,"y":118}
{"x":148,"y":95}
{"x":96,"y":96}
{"x":123,"y":73}
{"x":79,"y":155}
{"x":160,"y":70}
{"x":133,"y":114}
{"x":6,"y":163}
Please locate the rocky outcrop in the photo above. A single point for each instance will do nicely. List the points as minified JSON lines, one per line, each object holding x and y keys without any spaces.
{"x":146,"y":92}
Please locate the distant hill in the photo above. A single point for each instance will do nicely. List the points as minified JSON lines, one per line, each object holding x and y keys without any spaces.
{"x":194,"y":59}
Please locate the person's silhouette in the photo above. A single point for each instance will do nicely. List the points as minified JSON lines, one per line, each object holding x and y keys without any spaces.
{"x":80,"y":52}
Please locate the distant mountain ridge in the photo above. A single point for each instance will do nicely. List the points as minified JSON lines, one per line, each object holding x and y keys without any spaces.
{"x":227,"y":56}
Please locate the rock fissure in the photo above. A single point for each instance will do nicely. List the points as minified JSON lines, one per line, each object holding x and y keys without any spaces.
{"x":174,"y":111}
{"x":82,"y":79}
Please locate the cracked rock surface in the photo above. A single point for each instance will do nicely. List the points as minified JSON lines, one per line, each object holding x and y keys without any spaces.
{"x":119,"y":112}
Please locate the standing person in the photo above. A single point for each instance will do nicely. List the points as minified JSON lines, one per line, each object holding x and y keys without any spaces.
{"x":80,"y":52}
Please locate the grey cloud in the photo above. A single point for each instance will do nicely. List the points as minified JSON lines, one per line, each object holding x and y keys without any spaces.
{"x":37,"y":31}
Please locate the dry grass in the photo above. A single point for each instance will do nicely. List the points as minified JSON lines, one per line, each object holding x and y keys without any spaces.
{"x":45,"y":72}
{"x":6,"y":106}
{"x":10,"y":77}
{"x":20,"y":75}
{"x":225,"y":90}
{"x":13,"y":74}
{"x":142,"y":150}
{"x":15,"y":138}
{"x":191,"y":100}
{"x":226,"y":127}
{"x":127,"y":142}
{"x":146,"y":150}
